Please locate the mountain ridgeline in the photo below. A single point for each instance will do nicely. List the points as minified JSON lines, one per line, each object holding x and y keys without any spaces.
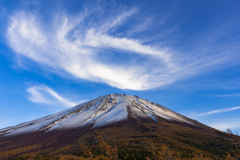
{"x":116,"y":126}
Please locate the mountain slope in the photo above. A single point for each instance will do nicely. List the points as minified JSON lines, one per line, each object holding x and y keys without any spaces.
{"x":99,"y":112}
{"x":116,"y":125}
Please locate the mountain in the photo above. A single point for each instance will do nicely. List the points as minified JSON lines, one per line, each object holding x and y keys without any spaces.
{"x":108,"y":125}
{"x":100,"y":112}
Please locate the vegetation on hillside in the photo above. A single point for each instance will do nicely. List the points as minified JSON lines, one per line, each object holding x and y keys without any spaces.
{"x":143,"y":141}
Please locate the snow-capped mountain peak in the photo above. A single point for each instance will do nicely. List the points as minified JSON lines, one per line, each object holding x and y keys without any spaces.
{"x":99,"y":112}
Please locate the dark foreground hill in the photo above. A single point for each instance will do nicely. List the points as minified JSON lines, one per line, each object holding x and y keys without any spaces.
{"x":116,"y":127}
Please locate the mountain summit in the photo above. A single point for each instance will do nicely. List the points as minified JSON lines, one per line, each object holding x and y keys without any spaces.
{"x":116,"y":126}
{"x":100,"y":112}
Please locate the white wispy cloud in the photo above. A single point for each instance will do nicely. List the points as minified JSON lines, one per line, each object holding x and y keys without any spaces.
{"x":46,"y":95}
{"x":227,"y":123}
{"x":229,"y":95}
{"x":219,"y":111}
{"x":75,"y":45}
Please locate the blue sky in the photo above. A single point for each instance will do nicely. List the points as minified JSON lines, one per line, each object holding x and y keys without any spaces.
{"x":182,"y":54}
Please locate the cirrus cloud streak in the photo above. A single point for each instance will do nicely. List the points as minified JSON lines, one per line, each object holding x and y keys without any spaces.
{"x":219,"y":111}
{"x":76,"y":46}
{"x":45,"y":95}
